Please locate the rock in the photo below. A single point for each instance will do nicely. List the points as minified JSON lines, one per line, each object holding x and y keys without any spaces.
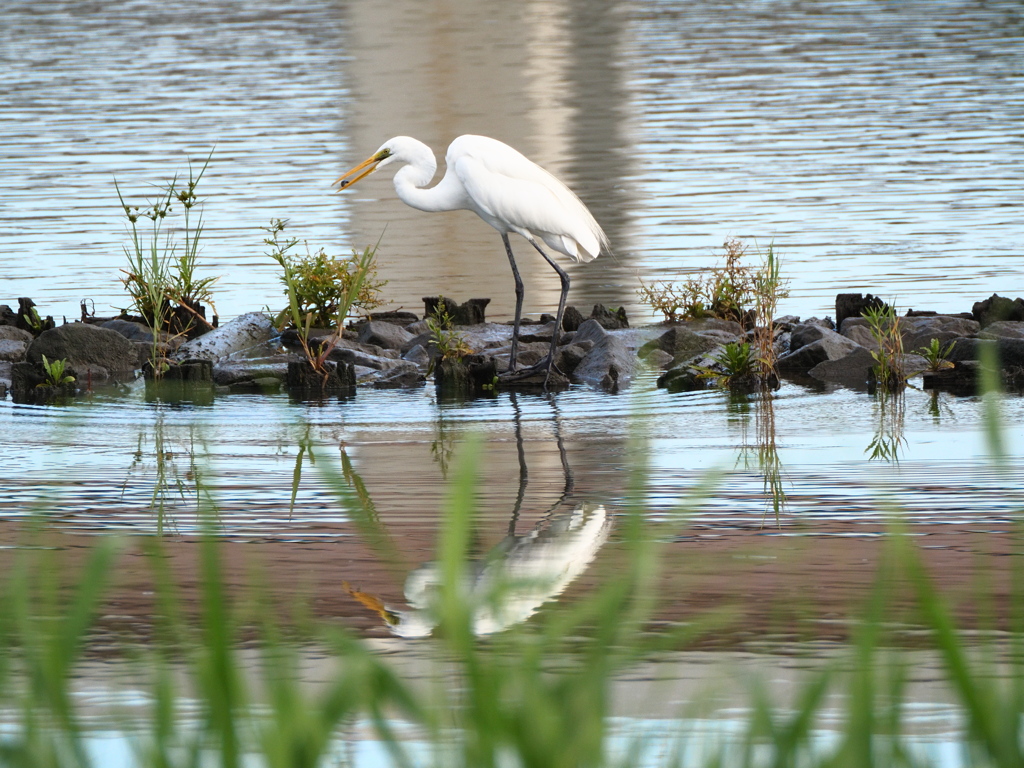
{"x":12,"y":351}
{"x":917,"y":332}
{"x":338,"y":379}
{"x":852,"y":369}
{"x":853,"y":305}
{"x":804,"y":334}
{"x":131,"y":331}
{"x":195,"y":371}
{"x":395,"y":317}
{"x":417,"y":355}
{"x":384,"y":335}
{"x":682,"y":378}
{"x":402,"y":376}
{"x":961,"y":379}
{"x":468,"y":313}
{"x":96,"y":353}
{"x":830,"y":346}
{"x":357,"y":355}
{"x":235,"y":372}
{"x":609,"y":319}
{"x":591,"y":330}
{"x":611,"y":361}
{"x":572,"y":319}
{"x":1000,"y":329}
{"x":996,"y":308}
{"x":659,"y":358}
{"x":8,"y":316}
{"x":10,"y":333}
{"x":465,"y":377}
{"x":242,"y":333}
{"x":1009,"y":351}
{"x":29,"y":385}
{"x":569,"y":356}
{"x":680,"y":343}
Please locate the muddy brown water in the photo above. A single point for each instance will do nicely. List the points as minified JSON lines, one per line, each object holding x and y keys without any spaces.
{"x":878,"y":146}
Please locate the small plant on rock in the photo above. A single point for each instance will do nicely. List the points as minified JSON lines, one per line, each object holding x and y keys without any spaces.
{"x":160,"y":278}
{"x":724,"y":293}
{"x":936,"y":356}
{"x":351,"y":294}
{"x":735,"y":362}
{"x":889,"y":371}
{"x":320,"y":284}
{"x":56,"y":373}
{"x":450,"y":344}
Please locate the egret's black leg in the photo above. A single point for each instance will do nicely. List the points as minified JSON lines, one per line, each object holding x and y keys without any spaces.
{"x":556,"y":334}
{"x":519,"y":302}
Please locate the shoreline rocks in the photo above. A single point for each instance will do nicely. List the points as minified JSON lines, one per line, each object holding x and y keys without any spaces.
{"x":397,"y":350}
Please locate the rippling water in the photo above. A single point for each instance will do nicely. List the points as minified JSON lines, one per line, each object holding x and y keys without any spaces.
{"x":878,"y":145}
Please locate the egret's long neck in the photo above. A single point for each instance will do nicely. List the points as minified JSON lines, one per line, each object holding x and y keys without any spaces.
{"x":411,"y":185}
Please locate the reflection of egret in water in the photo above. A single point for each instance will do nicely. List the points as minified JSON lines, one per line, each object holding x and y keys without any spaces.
{"x":517,"y":576}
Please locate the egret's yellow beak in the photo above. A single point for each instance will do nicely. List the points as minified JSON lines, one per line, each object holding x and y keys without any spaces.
{"x":364,"y":169}
{"x":371,"y":601}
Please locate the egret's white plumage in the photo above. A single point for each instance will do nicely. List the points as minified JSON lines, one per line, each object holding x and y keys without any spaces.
{"x":505,"y":189}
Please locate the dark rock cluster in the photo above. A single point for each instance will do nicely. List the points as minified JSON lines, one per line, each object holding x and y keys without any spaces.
{"x":401,"y":350}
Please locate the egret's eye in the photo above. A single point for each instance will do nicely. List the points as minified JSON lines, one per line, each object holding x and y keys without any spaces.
{"x":383,"y":154}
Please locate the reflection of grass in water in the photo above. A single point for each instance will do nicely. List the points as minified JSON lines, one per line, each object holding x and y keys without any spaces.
{"x":765,"y":453}
{"x":888,"y":440}
{"x":537,"y":695}
{"x":155,"y":456}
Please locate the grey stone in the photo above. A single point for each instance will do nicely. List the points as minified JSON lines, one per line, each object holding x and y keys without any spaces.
{"x":11,"y":350}
{"x":851,"y":369}
{"x":1001,"y":329}
{"x":402,"y":376}
{"x":610,"y":363}
{"x":10,"y":333}
{"x":830,"y":346}
{"x":95,"y":353}
{"x":384,"y":335}
{"x":417,"y":355}
{"x":917,"y":332}
{"x":242,"y":333}
{"x":233,"y":372}
{"x":131,"y":331}
{"x":680,"y":343}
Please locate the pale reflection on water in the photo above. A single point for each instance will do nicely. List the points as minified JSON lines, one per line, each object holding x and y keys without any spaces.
{"x":879,"y":145}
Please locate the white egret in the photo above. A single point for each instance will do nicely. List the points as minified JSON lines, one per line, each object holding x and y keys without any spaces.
{"x":505,"y":189}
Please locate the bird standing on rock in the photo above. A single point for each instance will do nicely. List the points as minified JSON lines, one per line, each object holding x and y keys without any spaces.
{"x":509,"y":192}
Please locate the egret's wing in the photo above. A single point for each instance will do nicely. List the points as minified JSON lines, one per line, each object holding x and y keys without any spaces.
{"x":513,"y":190}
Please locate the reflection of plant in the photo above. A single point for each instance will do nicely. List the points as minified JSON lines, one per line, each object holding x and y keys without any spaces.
{"x":359,"y":268}
{"x":451,"y":345}
{"x":55,"y":373}
{"x":885,"y":329}
{"x":768,"y":455}
{"x":936,"y":356}
{"x":888,"y":439}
